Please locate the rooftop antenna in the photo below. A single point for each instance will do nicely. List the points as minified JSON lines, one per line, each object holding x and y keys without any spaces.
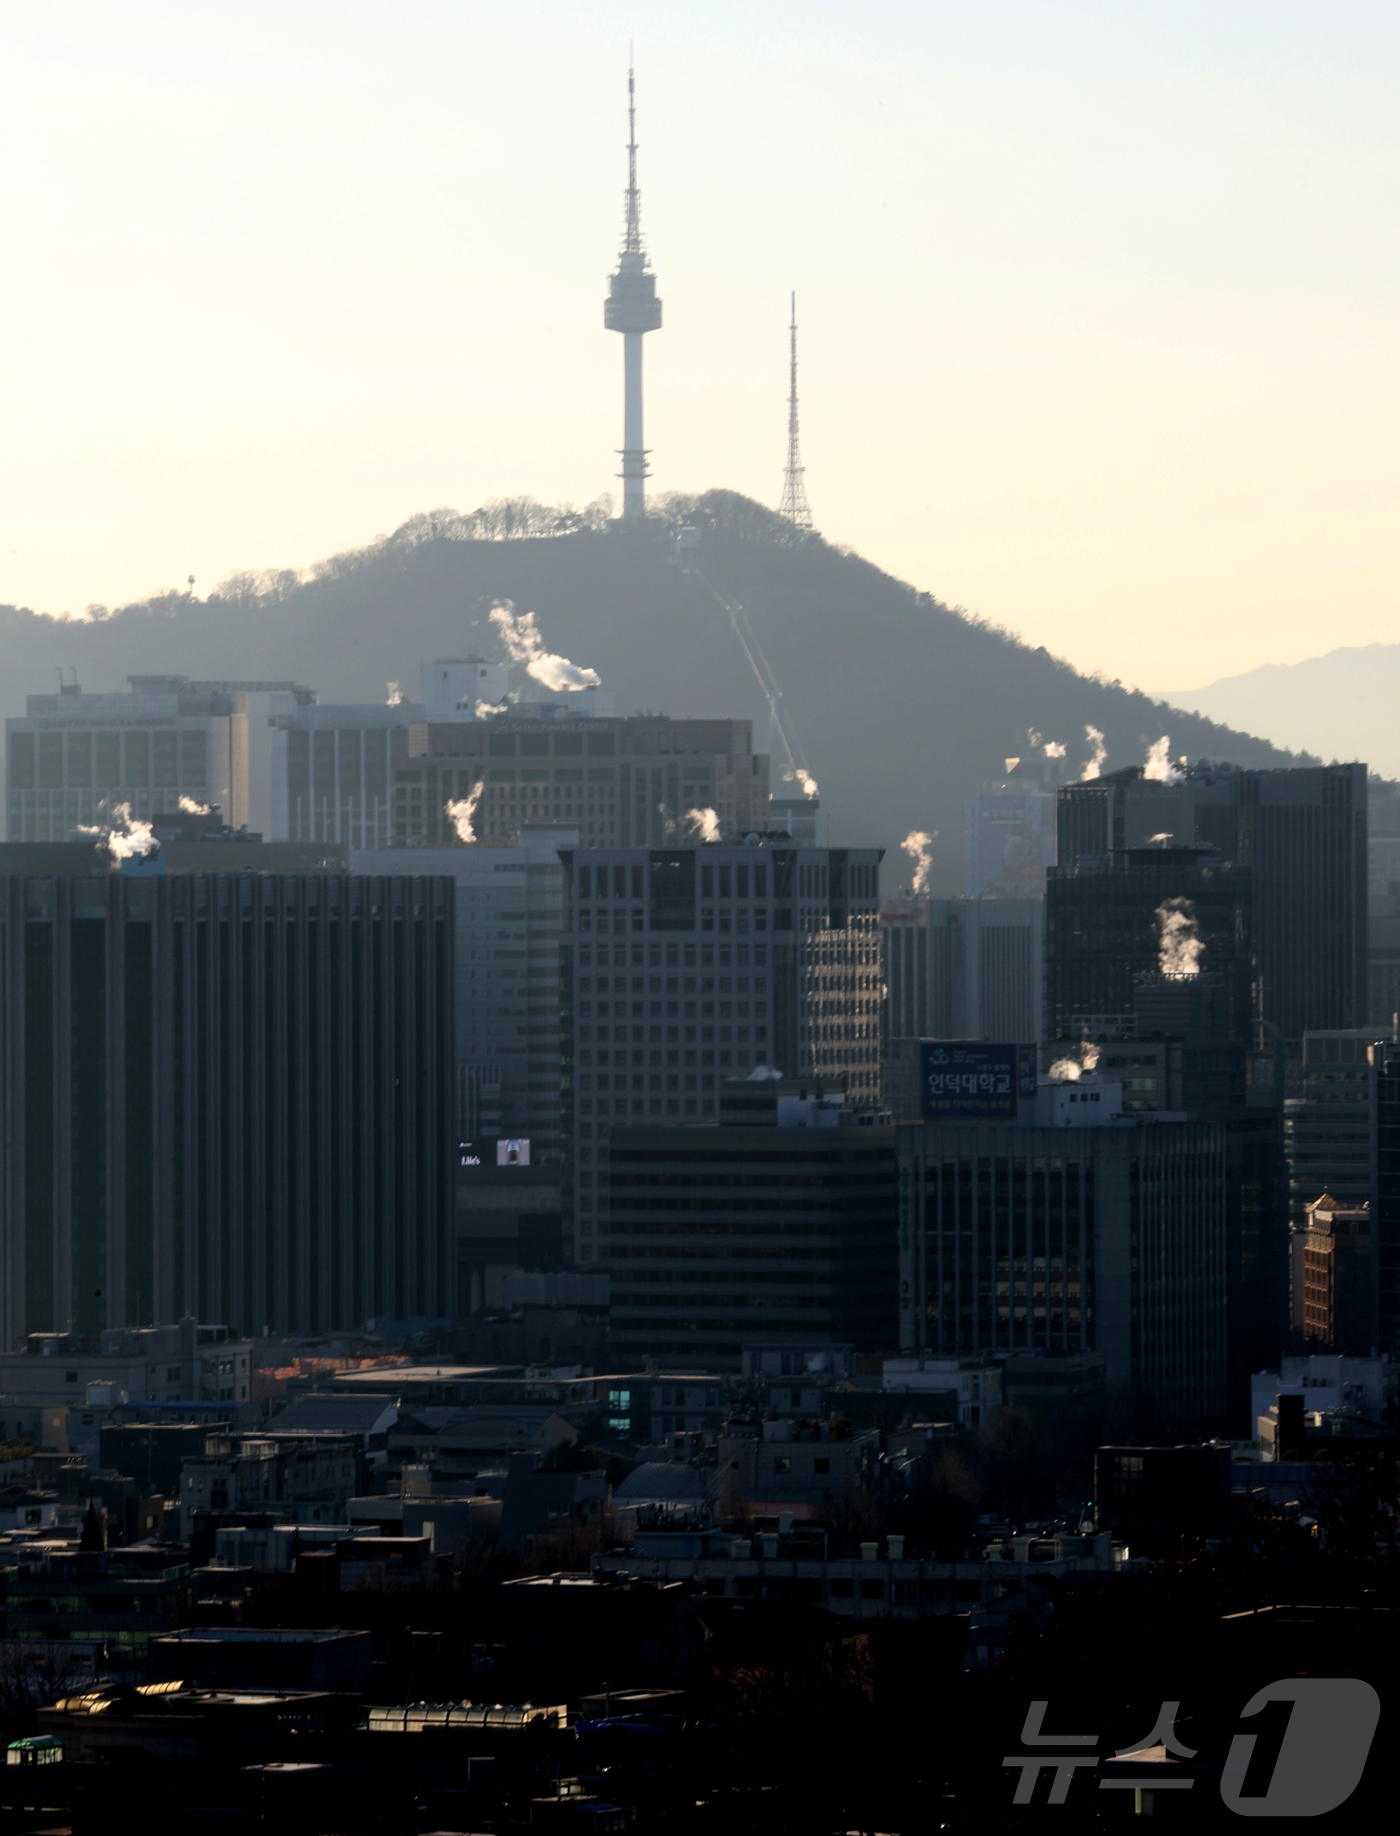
{"x":794,"y":505}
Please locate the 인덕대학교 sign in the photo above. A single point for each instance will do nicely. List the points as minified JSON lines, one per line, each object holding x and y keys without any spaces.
{"x":974,"y":1081}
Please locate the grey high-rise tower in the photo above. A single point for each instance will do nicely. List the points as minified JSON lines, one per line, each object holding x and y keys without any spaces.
{"x":633,"y":309}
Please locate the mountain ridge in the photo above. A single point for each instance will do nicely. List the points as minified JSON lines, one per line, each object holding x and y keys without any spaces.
{"x":1352,"y":688}
{"x":902,"y":704}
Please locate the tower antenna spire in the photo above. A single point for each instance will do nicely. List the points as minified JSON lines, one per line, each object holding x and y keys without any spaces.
{"x":794,"y":505}
{"x":633,"y":309}
{"x":632,"y":236}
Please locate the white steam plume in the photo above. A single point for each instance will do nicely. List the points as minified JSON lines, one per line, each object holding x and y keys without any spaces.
{"x":1179,"y":943}
{"x":1094,"y":765}
{"x":127,"y":838}
{"x":703,"y":824}
{"x":393,"y":694}
{"x":485,"y":709}
{"x":521,"y":638}
{"x":1053,"y":749}
{"x":191,"y":808}
{"x":461,"y":812}
{"x":802,"y":778}
{"x":1073,"y":1066}
{"x":918,"y":844}
{"x":1154,"y":841}
{"x":1159,"y":766}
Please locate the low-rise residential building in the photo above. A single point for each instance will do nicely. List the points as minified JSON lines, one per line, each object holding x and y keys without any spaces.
{"x":22,"y":1508}
{"x":1362,"y":1386}
{"x":1152,"y":1498}
{"x":187,"y":1362}
{"x":798,"y":1469}
{"x":875,"y":1583}
{"x":1334,"y":1286}
{"x":688,"y":1404}
{"x":306,"y":1477}
{"x":365,"y":1414}
{"x":263,"y":1657}
{"x":539,"y":1501}
{"x":974,"y":1383}
{"x":119,"y":1599}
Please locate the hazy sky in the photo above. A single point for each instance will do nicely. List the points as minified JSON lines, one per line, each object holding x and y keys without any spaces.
{"x":1098,"y":302}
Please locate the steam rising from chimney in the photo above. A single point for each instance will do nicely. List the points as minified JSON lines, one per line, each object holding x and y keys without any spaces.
{"x":522,"y":640}
{"x":1094,"y":765}
{"x":1179,"y":943}
{"x":1159,"y":766}
{"x":1073,"y":1065}
{"x":918,"y":844}
{"x":127,"y":838}
{"x":802,"y":778}
{"x":461,"y":812}
{"x":485,"y":709}
{"x":703,"y":824}
{"x":1054,"y":749}
{"x":191,"y":808}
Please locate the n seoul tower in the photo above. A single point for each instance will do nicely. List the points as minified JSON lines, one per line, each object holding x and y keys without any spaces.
{"x":633,"y":309}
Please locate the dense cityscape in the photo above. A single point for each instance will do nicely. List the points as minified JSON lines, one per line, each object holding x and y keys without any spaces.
{"x":547,"y":1280}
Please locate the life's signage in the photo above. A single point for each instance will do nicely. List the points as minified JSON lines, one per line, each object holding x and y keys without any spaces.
{"x":970,"y":1080}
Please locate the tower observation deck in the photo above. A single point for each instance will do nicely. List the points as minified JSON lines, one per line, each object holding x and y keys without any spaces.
{"x":633,"y":309}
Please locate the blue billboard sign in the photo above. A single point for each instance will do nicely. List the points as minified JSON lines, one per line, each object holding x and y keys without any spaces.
{"x":972,"y":1081}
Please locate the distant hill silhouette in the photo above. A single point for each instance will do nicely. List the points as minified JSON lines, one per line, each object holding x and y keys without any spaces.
{"x":1346,"y":699}
{"x":903,"y":705}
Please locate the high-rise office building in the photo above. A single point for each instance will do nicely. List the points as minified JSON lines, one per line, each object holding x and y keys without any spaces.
{"x":685,"y":964}
{"x":777,"y":1224}
{"x":963,"y":968}
{"x":509,"y":910}
{"x":1385,"y":1196}
{"x":1112,"y":920}
{"x":1008,"y":842}
{"x":1329,"y":1120}
{"x":224,"y":1094}
{"x":1334,"y":1287}
{"x":73,"y":757}
{"x":1302,"y":836}
{"x":1066,"y":1240}
{"x":1123,"y":809}
{"x":331,"y":770}
{"x":1383,"y":886}
{"x":331,"y":765}
{"x":639,"y":782}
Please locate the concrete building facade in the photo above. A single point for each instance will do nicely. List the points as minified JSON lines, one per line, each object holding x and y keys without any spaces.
{"x":1109,"y":1239}
{"x":963,"y":968}
{"x":224,"y":1095}
{"x":73,"y":757}
{"x":509,"y":914}
{"x":722,"y":1235}
{"x":1300,"y":836}
{"x":640,"y":782}
{"x":686,"y":964}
